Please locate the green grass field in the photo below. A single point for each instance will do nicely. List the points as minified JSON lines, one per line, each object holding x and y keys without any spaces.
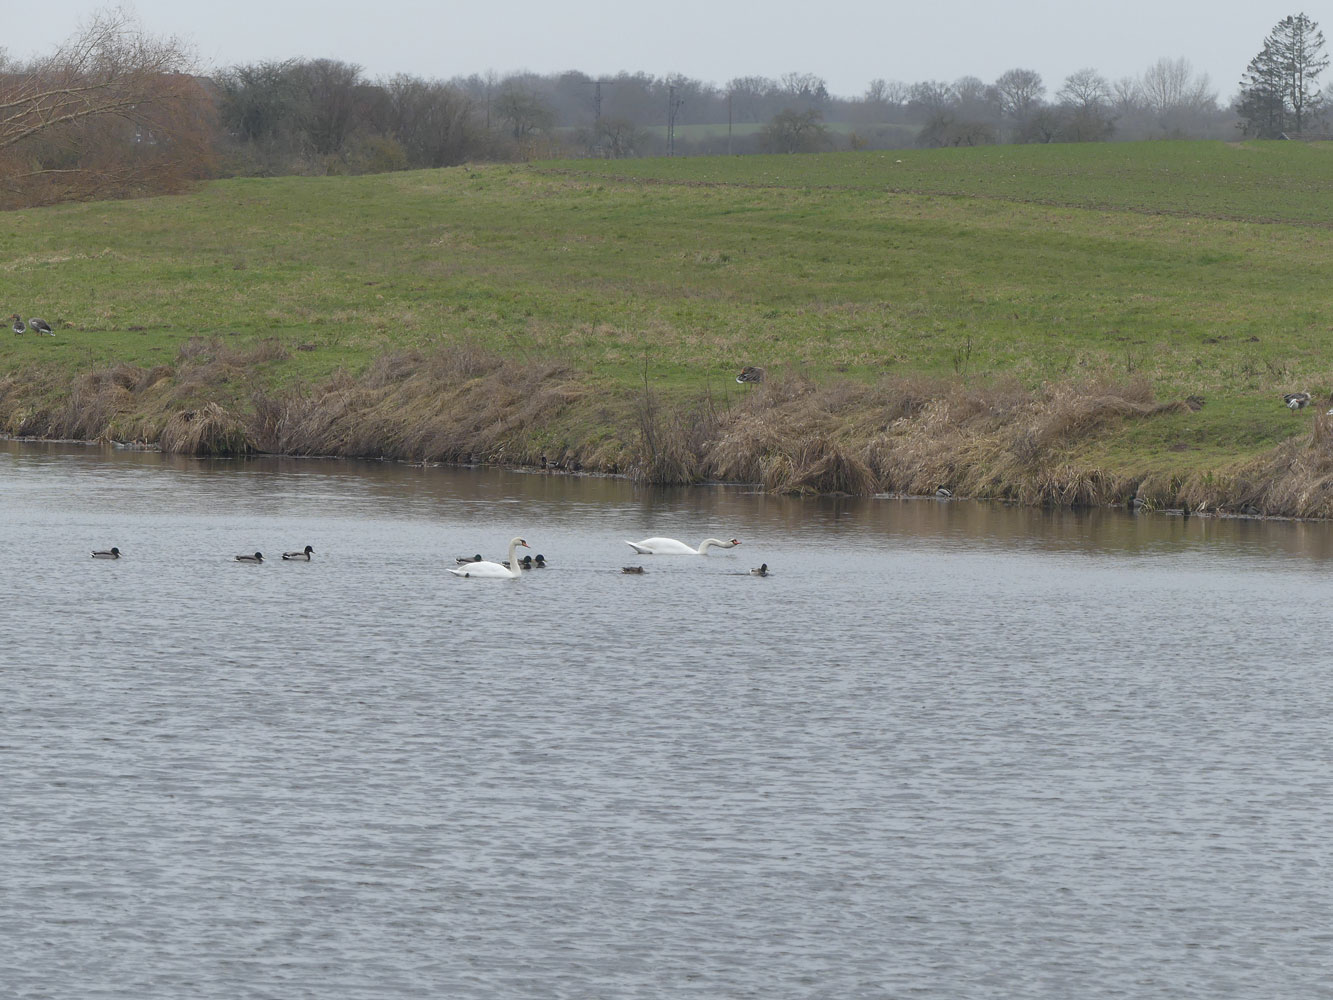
{"x":1199,"y":266}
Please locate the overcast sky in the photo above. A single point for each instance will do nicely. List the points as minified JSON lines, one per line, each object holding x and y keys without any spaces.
{"x":846,"y":43}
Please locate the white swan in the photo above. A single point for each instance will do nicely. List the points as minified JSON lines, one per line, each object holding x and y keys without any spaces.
{"x":494,"y":570}
{"x":672,"y":547}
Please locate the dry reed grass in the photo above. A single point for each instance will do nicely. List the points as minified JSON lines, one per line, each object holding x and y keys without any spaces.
{"x":1295,"y":479}
{"x":209,"y":430}
{"x":788,"y":433}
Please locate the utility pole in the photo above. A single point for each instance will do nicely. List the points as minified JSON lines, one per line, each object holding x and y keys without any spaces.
{"x":728,"y":122}
{"x":597,"y":114}
{"x":673,"y":106}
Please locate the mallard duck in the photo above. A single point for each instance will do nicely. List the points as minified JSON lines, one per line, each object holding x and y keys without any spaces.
{"x":761,"y":571}
{"x":258,"y":557}
{"x":750,"y":374}
{"x":41,"y":326}
{"x":111,"y":553}
{"x":524,"y":563}
{"x":467,"y":559}
{"x":539,"y":561}
{"x":303,"y":556}
{"x":1296,"y":400}
{"x":631,"y":569}
{"x":944,"y":493}
{"x":20,"y":327}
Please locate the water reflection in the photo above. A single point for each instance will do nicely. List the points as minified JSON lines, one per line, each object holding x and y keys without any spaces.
{"x":271,"y":485}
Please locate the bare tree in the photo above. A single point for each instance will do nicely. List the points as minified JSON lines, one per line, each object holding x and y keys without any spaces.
{"x":1086,"y":98}
{"x":976,"y":101}
{"x":523,"y":110}
{"x":112,"y":112}
{"x":1177,"y":100}
{"x":793,"y":131}
{"x":1126,"y":95}
{"x":1020,"y":92}
{"x":261,"y":102}
{"x":804,"y":88}
{"x":616,"y":138}
{"x":1169,"y":85}
{"x":945,"y":128}
{"x":332,"y":86}
{"x":751,"y":96}
{"x":436,"y":123}
{"x":893,"y":93}
{"x":929,"y":98}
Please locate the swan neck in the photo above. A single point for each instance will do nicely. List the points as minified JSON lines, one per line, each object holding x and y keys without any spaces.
{"x":514,"y":569}
{"x":703,"y":546}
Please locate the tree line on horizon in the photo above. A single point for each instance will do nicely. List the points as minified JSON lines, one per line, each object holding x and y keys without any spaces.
{"x":116,"y":112}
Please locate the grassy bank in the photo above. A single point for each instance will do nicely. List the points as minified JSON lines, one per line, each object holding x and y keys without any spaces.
{"x":597,"y":309}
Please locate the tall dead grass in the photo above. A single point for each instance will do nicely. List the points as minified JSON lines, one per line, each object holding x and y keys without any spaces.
{"x":1295,"y":479}
{"x":789,"y":434}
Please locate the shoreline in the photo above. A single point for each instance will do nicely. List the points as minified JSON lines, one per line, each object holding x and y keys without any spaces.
{"x":1180,"y":512}
{"x":788,"y":435}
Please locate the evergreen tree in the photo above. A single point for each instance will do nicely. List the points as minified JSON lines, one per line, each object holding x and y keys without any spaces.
{"x":1261,"y":103}
{"x":1280,"y":90}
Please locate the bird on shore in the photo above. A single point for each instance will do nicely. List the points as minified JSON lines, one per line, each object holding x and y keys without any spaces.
{"x":111,"y":553}
{"x":1296,"y":400}
{"x":258,"y":557}
{"x":20,"y":328}
{"x":41,"y":326}
{"x":750,"y":374}
{"x":302,"y":556}
{"x":944,"y":493}
{"x":761,"y":571}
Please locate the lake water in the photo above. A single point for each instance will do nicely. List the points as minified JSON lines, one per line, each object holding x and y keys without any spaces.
{"x":946,"y":750}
